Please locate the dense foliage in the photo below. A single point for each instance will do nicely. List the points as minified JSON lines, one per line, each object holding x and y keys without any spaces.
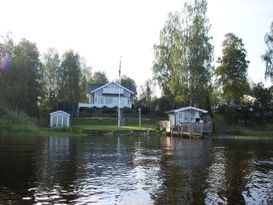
{"x":35,"y":85}
{"x":182,"y":64}
{"x":232,"y":72}
{"x":20,"y":84}
{"x":99,"y":78}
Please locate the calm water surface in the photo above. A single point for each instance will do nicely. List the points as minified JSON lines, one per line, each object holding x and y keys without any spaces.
{"x":135,"y":170}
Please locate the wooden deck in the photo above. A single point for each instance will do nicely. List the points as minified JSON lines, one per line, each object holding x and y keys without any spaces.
{"x":191,"y":130}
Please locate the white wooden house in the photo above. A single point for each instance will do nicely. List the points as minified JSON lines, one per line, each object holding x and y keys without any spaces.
{"x":59,"y":119}
{"x":109,"y":95}
{"x":185,"y":115}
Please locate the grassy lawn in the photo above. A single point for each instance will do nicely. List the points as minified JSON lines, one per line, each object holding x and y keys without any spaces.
{"x":79,"y":124}
{"x":111,"y":127}
{"x":109,"y":123}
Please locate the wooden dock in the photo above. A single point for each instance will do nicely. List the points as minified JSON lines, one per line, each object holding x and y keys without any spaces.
{"x":190,"y":130}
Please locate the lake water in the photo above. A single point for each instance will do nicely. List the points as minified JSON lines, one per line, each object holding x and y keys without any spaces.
{"x":135,"y":170}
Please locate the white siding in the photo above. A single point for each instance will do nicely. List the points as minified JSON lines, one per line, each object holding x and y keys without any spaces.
{"x":59,"y":119}
{"x":108,"y":96}
{"x":187,"y":116}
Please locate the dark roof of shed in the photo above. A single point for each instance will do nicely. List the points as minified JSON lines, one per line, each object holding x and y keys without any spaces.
{"x":92,"y":87}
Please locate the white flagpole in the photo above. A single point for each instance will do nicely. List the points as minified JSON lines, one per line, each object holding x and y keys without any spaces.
{"x":119,"y":94}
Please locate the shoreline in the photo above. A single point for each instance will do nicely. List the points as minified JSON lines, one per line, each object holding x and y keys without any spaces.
{"x":20,"y":129}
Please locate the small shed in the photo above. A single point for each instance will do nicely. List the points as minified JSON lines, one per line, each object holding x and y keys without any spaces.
{"x":185,"y":115}
{"x":59,"y":119}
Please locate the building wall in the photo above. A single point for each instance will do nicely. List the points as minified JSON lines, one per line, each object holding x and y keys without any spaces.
{"x":113,"y":86}
{"x":59,"y":120}
{"x":99,"y":98}
{"x":187,"y":116}
{"x":91,"y":98}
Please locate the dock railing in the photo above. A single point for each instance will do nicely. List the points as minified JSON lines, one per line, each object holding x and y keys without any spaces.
{"x":189,"y":129}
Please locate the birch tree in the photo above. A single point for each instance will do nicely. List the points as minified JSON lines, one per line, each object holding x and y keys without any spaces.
{"x":182,"y":64}
{"x":268,"y":56}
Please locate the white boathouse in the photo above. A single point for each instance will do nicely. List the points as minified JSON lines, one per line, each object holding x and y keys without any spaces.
{"x":59,"y":119}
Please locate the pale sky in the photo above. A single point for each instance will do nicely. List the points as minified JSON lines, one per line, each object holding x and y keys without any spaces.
{"x":103,"y":30}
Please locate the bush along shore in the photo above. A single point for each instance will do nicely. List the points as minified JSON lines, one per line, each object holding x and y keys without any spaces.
{"x":16,"y":121}
{"x":224,"y":128}
{"x":19,"y":123}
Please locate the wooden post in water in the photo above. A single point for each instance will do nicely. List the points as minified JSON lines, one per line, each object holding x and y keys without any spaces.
{"x":189,"y":129}
{"x":180,"y":130}
{"x":191,"y":126}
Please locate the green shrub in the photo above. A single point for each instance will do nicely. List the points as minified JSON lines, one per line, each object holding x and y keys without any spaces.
{"x":16,"y":121}
{"x":19,"y":117}
{"x":24,"y":128}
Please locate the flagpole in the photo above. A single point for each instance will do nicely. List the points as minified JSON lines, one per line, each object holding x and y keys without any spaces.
{"x":119,"y":94}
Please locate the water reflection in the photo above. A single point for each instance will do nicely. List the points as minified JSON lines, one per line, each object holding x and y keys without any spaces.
{"x":233,"y":171}
{"x":134,"y":170}
{"x":216,"y":178}
{"x":182,"y":169}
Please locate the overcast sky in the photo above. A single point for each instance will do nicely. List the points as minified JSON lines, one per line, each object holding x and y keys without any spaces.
{"x":103,"y":30}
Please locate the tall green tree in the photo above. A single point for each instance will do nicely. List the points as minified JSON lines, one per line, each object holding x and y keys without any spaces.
{"x":86,"y":76}
{"x":6,"y":52}
{"x":268,"y":56}
{"x":231,"y":74}
{"x":197,"y":51}
{"x":182,"y":64}
{"x":51,"y":79}
{"x":167,"y":54}
{"x":21,"y":81}
{"x":70,"y":76}
{"x":99,"y":78}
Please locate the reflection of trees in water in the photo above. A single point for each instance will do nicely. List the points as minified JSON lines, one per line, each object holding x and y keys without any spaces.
{"x":183,"y":170}
{"x":119,"y":170}
{"x":233,"y":172}
{"x":127,"y":169}
{"x":231,"y":165}
{"x":237,"y":164}
{"x":57,"y":170}
{"x":244,"y":164}
{"x":17,"y":166}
